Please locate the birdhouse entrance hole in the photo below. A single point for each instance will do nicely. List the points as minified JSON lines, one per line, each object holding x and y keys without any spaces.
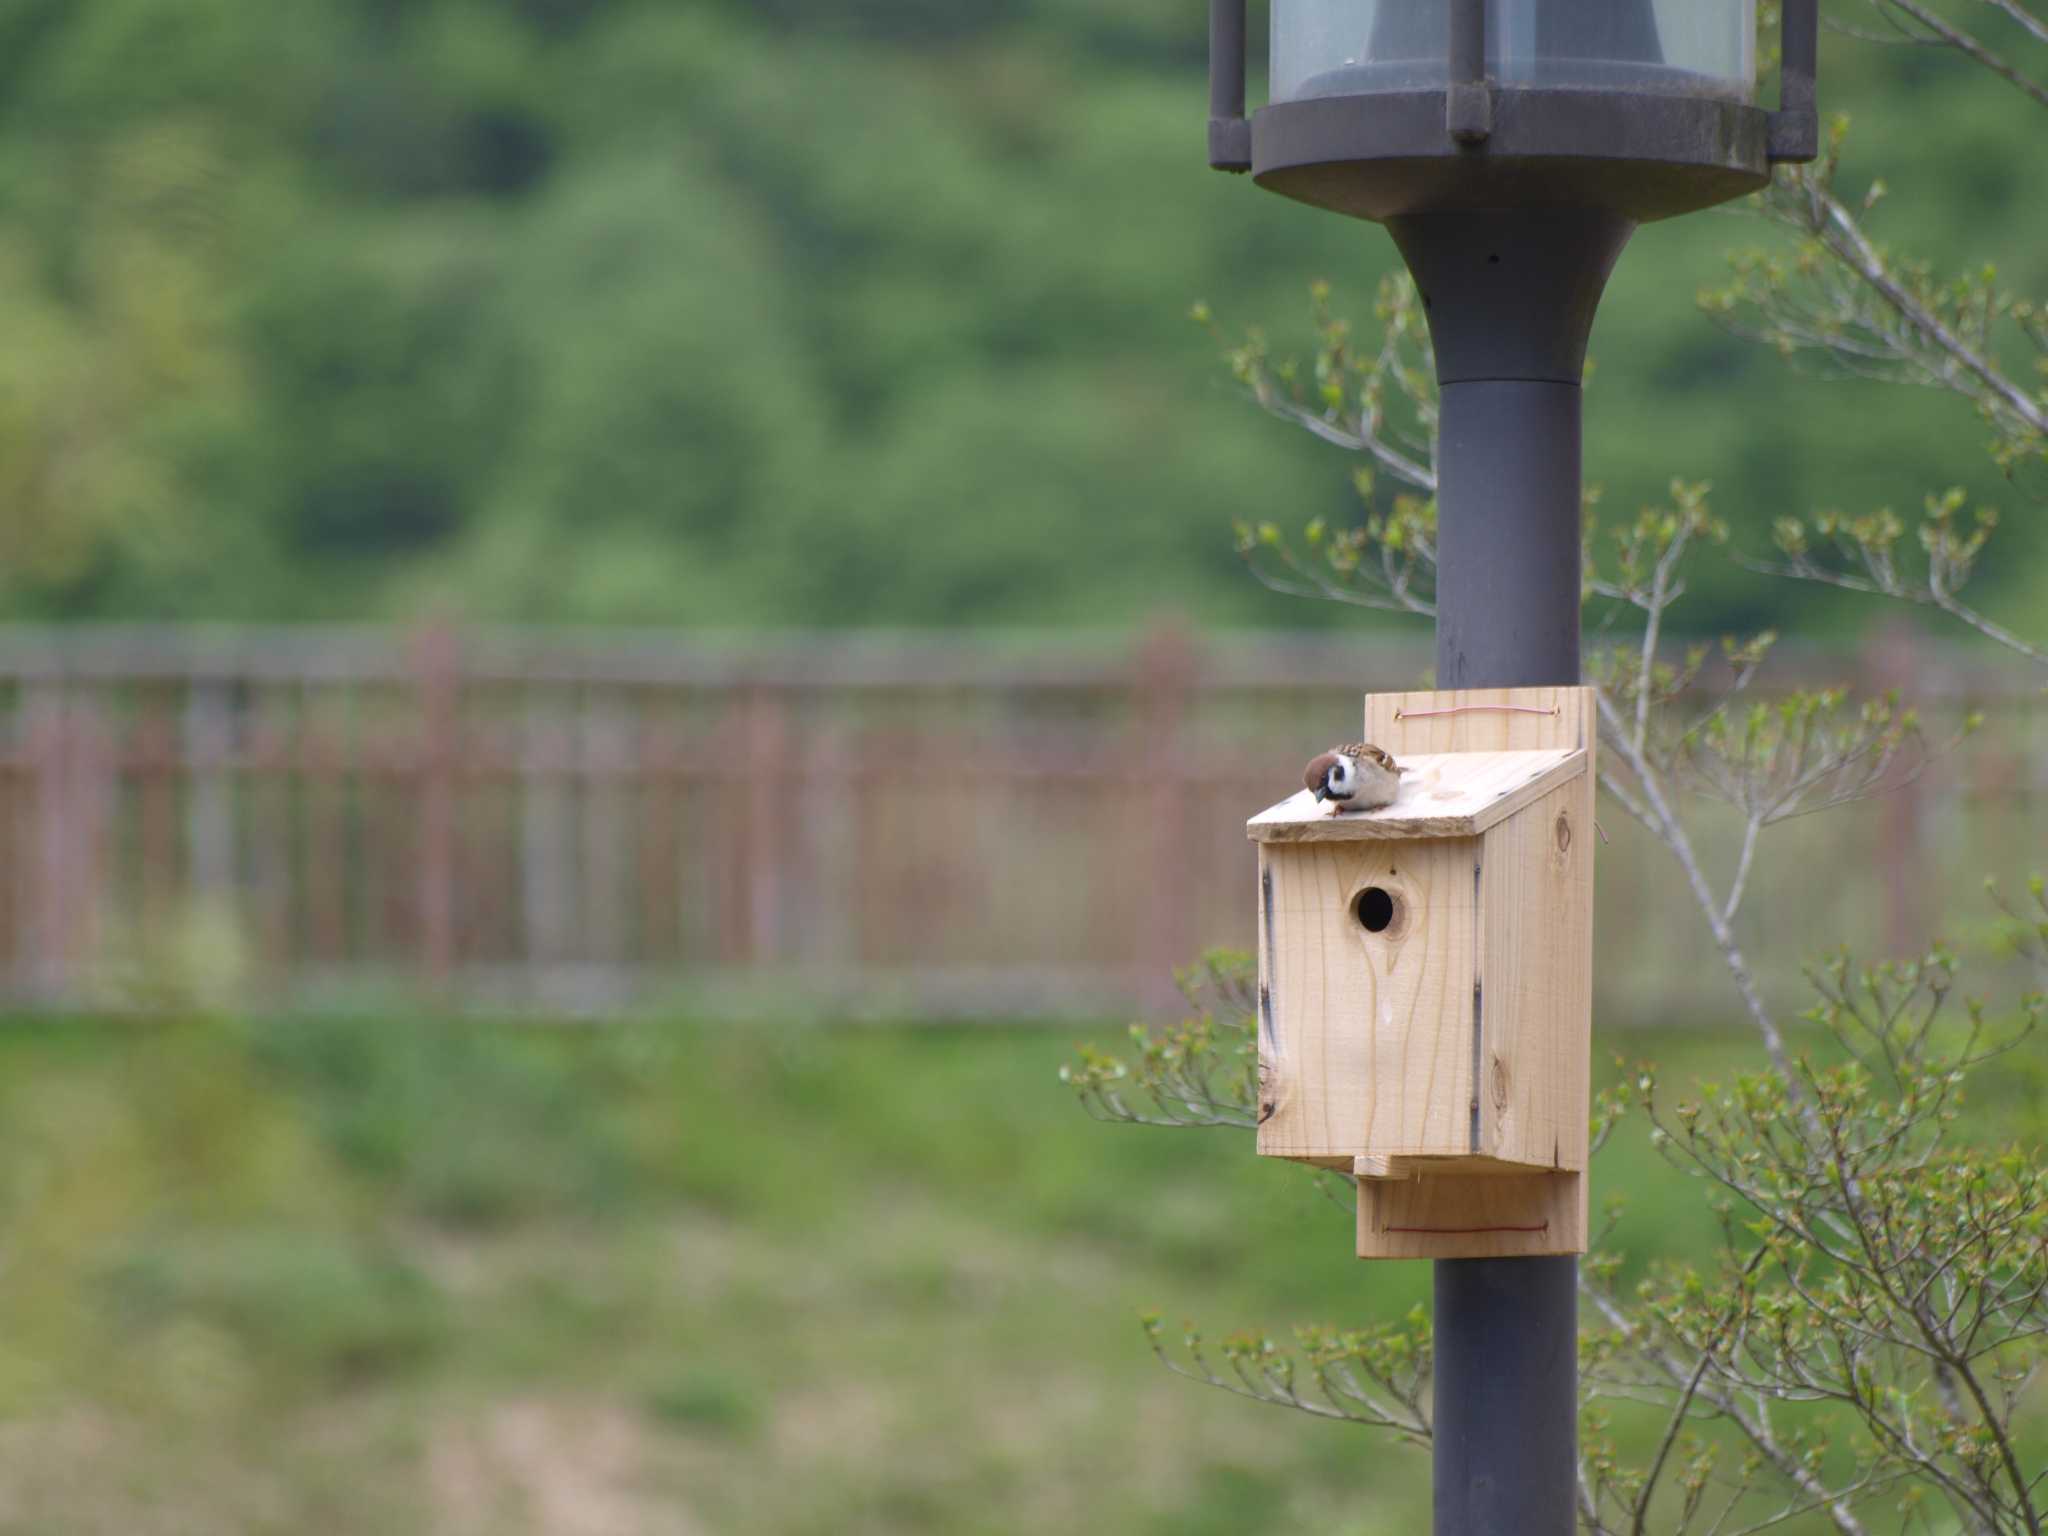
{"x":1377,"y":909}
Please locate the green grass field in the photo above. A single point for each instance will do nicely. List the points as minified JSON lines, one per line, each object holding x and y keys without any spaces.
{"x":397,"y":1275}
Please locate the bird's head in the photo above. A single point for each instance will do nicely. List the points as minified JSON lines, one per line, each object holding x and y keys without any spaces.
{"x":1332,"y":776}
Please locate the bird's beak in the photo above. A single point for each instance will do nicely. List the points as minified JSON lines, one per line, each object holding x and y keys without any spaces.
{"x":1320,"y":793}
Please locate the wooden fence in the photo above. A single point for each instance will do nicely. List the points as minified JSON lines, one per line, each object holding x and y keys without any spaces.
{"x":923,"y":825}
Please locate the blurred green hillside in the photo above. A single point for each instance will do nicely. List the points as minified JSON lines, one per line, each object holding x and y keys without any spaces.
{"x":777,"y":312}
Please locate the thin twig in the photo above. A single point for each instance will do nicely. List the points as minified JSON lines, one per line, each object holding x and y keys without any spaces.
{"x":1850,"y":243}
{"x":1665,"y":823}
{"x":1671,"y":1430}
{"x":1735,"y":890}
{"x":1965,"y":43}
{"x":2026,"y":18}
{"x":1400,"y":464}
{"x":1755,"y":1429}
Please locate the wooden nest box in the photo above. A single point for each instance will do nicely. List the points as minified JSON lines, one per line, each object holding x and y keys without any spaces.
{"x":1425,"y":977}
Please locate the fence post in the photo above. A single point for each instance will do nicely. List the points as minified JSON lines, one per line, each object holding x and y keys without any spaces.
{"x":210,"y":811}
{"x":767,"y":800}
{"x":156,"y":766}
{"x":545,"y":872}
{"x":606,"y":762}
{"x":435,"y":662}
{"x":655,"y":776}
{"x":325,"y":764}
{"x":74,"y":767}
{"x":94,"y":773}
{"x":1163,"y":680}
{"x":1889,"y":665}
{"x":267,"y":787}
{"x":47,"y":953}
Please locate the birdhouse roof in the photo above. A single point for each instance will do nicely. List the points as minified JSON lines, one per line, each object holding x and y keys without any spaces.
{"x":1443,"y":794}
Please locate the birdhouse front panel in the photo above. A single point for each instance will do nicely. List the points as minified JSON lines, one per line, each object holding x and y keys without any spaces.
{"x":1364,"y":943}
{"x":1425,"y":973}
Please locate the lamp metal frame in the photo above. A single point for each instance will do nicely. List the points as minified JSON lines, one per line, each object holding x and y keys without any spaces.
{"x":1477,"y":144}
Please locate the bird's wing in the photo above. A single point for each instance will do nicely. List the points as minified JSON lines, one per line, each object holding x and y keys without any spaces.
{"x":1365,"y":751}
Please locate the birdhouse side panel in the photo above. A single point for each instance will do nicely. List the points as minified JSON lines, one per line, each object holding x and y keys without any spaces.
{"x":1536,"y":981}
{"x":1368,"y":963}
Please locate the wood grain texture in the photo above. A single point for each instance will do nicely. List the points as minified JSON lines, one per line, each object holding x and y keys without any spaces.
{"x":1453,"y":1216}
{"x":1536,"y":981}
{"x":1444,"y":1058}
{"x":1384,"y":1166}
{"x":1443,"y":794}
{"x":1366,"y":1039}
{"x":1411,"y":723}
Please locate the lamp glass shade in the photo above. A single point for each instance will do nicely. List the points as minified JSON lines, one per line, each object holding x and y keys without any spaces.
{"x":1667,"y":47}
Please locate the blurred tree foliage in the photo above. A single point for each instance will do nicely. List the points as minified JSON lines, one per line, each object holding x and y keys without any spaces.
{"x":768,"y":312}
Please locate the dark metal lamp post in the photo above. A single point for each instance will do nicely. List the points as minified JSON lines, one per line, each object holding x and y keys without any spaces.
{"x":1510,"y":147}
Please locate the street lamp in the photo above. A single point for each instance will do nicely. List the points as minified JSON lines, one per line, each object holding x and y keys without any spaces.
{"x":1343,"y":48}
{"x":1510,"y":147}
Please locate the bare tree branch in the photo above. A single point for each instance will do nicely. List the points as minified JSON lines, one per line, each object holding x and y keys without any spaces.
{"x":1963,"y":42}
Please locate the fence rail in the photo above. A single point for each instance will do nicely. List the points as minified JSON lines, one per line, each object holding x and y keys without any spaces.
{"x":891,"y":823}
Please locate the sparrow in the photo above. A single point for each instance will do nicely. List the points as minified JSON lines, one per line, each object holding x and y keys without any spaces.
{"x":1358,"y":777}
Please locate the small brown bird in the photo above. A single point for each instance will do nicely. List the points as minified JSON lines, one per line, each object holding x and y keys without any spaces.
{"x":1358,"y":777}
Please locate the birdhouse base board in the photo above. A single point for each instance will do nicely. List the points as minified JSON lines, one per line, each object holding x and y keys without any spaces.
{"x":1471,"y":1216}
{"x":1397,"y":1166}
{"x":1414,"y":1165}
